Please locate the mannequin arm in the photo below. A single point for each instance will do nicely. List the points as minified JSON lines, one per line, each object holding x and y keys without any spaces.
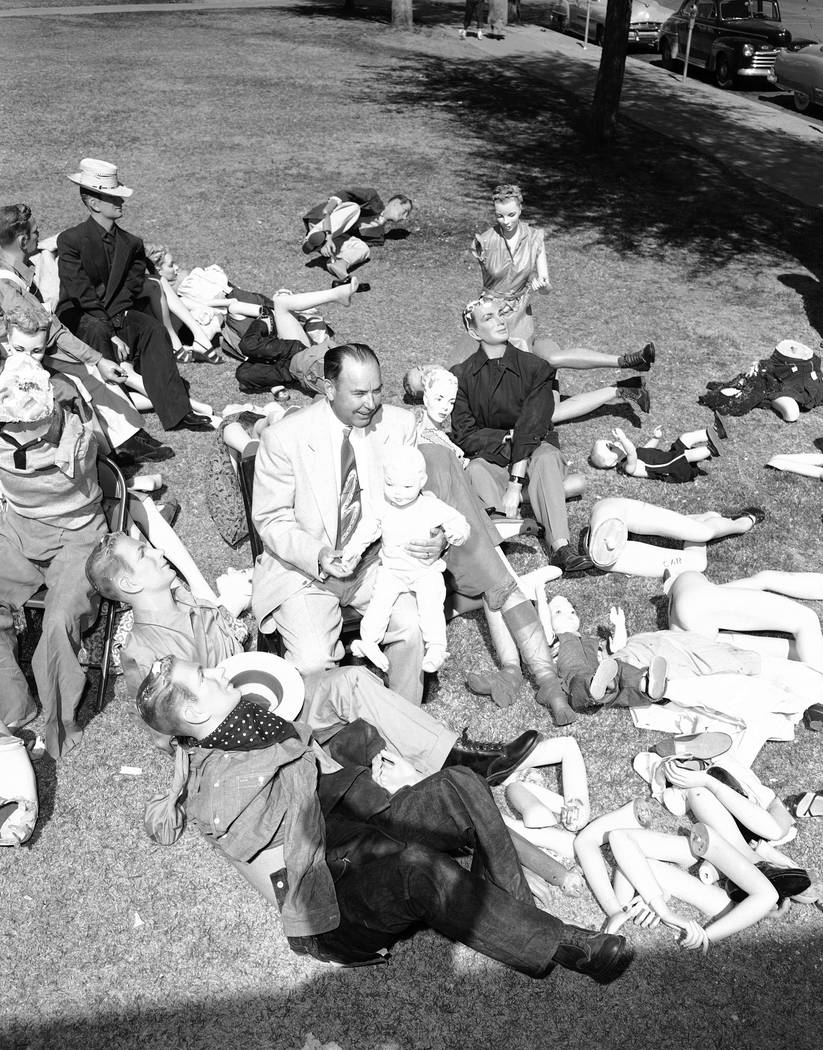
{"x":762,"y":896}
{"x":587,"y":845}
{"x":750,"y":814}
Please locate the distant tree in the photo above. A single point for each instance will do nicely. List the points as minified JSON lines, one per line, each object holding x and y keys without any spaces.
{"x":401,"y":14}
{"x":609,"y":85}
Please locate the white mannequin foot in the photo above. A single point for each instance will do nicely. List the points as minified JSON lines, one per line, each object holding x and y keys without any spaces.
{"x":434,"y":658}
{"x":370,"y":651}
{"x":532,"y":583}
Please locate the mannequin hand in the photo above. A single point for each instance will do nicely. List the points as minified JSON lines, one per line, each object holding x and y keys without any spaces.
{"x":121,"y":351}
{"x":658,"y":432}
{"x":617,"y":625}
{"x":540,"y":890}
{"x":641,"y":914}
{"x":457,"y":535}
{"x":392,"y":772}
{"x":331,"y":563}
{"x":110,"y":372}
{"x":575,"y":815}
{"x":536,"y":283}
{"x":694,"y":937}
{"x":512,"y":500}
{"x":428,"y":550}
{"x":680,"y":777}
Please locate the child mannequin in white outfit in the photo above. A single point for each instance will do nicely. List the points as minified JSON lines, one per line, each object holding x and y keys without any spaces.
{"x":404,"y":513}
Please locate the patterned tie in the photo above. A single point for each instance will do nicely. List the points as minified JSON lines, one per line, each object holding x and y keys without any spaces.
{"x":349,"y":513}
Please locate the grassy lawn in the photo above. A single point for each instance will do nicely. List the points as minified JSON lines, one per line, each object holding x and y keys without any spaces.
{"x":229,"y":124}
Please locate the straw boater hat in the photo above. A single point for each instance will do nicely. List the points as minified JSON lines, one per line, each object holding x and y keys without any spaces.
{"x":101,"y":177}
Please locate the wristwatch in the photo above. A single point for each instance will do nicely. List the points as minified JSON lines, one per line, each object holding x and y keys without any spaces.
{"x":515,"y":480}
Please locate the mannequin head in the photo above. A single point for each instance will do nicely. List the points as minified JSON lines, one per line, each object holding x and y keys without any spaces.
{"x":404,"y":475}
{"x":439,"y":393}
{"x":163,"y":261}
{"x":605,"y":454}
{"x":508,"y":204}
{"x":564,"y":617}
{"x":123,"y":568}
{"x":26,"y":397}
{"x":413,"y":385}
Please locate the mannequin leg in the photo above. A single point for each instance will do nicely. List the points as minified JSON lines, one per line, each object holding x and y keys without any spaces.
{"x":694,"y":437}
{"x":522,"y":621}
{"x":697,"y":455}
{"x":587,"y":845}
{"x":580,"y":357}
{"x":695,"y":604}
{"x":582,"y":404}
{"x":787,"y":408}
{"x":644,"y":559}
{"x":808,"y":585}
{"x":646,"y":519}
{"x":287,"y":303}
{"x":503,"y":685}
{"x":807,"y":465}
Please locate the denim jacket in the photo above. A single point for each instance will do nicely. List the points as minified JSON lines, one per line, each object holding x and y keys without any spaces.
{"x":241,"y":801}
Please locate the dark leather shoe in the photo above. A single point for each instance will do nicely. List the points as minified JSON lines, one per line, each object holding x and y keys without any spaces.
{"x":635,"y":393}
{"x":641,"y":361}
{"x":194,"y":421}
{"x":602,"y":956}
{"x":787,"y":881}
{"x":494,"y":760}
{"x":141,"y":448}
{"x":757,"y":514}
{"x":569,"y":562}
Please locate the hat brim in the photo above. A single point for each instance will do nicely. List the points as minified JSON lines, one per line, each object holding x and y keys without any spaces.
{"x":266,"y":677}
{"x":81,"y":179}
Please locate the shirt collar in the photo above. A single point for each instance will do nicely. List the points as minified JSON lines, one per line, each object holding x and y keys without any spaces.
{"x":26,"y":272}
{"x":509,"y":360}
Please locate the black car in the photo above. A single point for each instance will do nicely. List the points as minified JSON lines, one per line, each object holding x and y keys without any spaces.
{"x":731,"y":38}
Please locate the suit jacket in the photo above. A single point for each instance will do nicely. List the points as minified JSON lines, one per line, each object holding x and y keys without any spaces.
{"x":296,"y":492}
{"x":89,"y":289}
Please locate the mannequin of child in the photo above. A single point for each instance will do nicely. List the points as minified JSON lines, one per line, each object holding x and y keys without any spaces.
{"x":18,"y":790}
{"x":590,"y":682}
{"x":405,"y":511}
{"x":614,"y":518}
{"x":697,"y":604}
{"x":676,"y":464}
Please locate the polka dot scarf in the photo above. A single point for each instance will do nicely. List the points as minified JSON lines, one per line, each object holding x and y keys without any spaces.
{"x":248,"y":727}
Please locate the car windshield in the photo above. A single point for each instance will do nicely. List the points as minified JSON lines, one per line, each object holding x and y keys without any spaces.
{"x":766,"y":9}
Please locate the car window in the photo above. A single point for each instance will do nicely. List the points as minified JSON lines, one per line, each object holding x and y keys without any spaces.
{"x":706,"y":9}
{"x":735,"y":9}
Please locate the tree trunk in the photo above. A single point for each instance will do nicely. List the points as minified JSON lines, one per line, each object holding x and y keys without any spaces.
{"x":498,"y":16}
{"x":610,"y":74}
{"x":401,"y":14}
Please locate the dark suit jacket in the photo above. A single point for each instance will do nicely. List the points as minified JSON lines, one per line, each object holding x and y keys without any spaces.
{"x":89,"y":290}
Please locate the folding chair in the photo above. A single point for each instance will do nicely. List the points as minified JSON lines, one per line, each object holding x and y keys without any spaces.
{"x":114,"y":507}
{"x":245,"y":475}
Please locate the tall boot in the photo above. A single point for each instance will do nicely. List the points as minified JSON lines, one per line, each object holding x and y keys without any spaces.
{"x":521,"y":619}
{"x":503,"y":685}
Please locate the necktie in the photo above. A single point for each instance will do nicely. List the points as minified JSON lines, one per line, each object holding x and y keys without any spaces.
{"x":349,"y":512}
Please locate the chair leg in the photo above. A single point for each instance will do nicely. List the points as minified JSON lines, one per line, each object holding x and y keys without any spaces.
{"x":105,"y":662}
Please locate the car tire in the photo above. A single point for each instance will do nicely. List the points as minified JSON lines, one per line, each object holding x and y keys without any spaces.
{"x":723,"y":72}
{"x":667,"y":58}
{"x":802,"y":102}
{"x":558,"y":23}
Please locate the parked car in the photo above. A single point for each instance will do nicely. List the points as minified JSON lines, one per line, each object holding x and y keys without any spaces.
{"x":647,"y":18}
{"x":801,"y":72}
{"x":731,"y":38}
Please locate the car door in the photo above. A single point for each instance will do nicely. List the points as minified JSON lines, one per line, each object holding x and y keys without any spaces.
{"x":705,"y":31}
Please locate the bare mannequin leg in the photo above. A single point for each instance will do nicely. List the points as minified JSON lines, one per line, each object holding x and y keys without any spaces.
{"x":694,"y":437}
{"x":787,"y":408}
{"x":578,"y":357}
{"x":140,"y":398}
{"x":808,"y":585}
{"x":582,"y":404}
{"x":644,"y":559}
{"x":808,"y":465}
{"x":696,"y":604}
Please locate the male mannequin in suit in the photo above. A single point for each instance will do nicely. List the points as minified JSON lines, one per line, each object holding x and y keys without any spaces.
{"x":300,"y":584}
{"x":102,"y":271}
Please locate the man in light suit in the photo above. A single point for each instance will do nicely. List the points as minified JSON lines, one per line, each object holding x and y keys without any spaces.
{"x":102,"y":272}
{"x":300,"y":586}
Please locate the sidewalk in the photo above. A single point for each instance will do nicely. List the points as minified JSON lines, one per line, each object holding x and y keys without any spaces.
{"x":778,"y":148}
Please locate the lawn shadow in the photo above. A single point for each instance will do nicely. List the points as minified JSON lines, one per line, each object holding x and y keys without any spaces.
{"x":527,"y":122}
{"x":681,"y":997}
{"x":811,"y":293}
